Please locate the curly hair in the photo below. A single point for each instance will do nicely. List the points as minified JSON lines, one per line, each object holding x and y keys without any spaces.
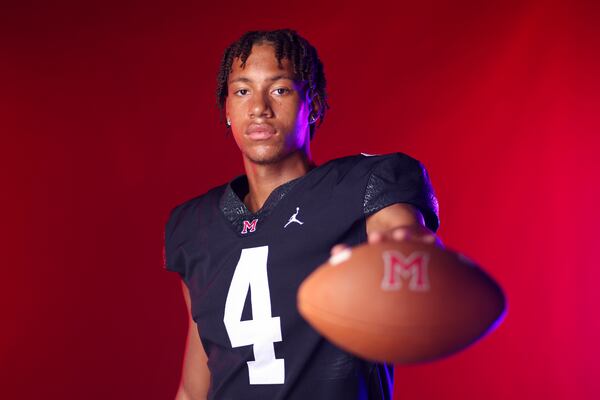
{"x":290,"y":45}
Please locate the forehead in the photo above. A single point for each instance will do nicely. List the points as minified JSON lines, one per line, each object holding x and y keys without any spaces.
{"x":261,"y":61}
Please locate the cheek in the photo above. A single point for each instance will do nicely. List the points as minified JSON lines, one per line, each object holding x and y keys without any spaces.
{"x":234,"y":108}
{"x":295,"y":111}
{"x":228,"y":107}
{"x":304,"y":112}
{"x":302,"y":117}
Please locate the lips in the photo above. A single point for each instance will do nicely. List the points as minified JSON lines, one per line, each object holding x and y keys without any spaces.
{"x":260,"y":131}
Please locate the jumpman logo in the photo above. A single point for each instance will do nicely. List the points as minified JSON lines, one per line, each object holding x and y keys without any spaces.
{"x":294,"y":219}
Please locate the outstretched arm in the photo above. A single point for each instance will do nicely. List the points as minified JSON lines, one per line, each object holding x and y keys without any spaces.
{"x":396,"y":222}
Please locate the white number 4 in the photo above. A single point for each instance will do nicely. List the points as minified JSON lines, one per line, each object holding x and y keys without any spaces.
{"x":263,"y":329}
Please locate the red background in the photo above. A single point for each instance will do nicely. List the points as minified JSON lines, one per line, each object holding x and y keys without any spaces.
{"x":108,"y":120}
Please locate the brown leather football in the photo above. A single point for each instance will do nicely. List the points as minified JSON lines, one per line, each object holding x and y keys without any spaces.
{"x":401,"y":302}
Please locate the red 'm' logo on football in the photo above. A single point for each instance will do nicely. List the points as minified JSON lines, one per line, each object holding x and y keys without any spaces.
{"x":413,"y":268}
{"x":249,"y":226}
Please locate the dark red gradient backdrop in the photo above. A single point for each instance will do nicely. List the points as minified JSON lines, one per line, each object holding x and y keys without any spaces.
{"x":108,"y":120}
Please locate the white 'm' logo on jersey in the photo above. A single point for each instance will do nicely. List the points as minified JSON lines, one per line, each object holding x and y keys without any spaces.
{"x":294,"y":219}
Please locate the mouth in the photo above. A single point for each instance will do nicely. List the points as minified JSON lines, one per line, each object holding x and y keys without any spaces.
{"x":260,"y":132}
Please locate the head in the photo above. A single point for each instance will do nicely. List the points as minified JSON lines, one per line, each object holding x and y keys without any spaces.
{"x":271,"y":90}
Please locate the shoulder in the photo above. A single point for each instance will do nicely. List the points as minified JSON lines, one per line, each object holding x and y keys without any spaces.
{"x":366,"y":159}
{"x":181,"y":214}
{"x":364,"y":163}
{"x":388,"y":179}
{"x":182,"y":224}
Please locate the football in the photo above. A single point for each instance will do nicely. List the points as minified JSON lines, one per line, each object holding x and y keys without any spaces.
{"x":401,"y":302}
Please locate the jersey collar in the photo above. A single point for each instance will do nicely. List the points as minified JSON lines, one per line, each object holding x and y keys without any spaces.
{"x":236,"y":212}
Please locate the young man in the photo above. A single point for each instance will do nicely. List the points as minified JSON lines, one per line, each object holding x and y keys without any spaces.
{"x":243,"y":248}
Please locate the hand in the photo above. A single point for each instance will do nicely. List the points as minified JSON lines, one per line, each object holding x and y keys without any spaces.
{"x":412,"y":232}
{"x":339,"y":248}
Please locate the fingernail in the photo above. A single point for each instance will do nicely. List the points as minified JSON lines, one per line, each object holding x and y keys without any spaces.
{"x":340,"y":257}
{"x":399,"y":234}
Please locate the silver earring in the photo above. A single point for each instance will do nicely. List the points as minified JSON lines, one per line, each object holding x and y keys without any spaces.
{"x":312,"y":119}
{"x":228,"y":123}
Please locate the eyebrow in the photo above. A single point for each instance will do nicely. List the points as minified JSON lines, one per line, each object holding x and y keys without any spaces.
{"x":272,"y":79}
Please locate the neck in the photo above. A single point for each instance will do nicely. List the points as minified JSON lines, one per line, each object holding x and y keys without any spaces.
{"x":264,"y":178}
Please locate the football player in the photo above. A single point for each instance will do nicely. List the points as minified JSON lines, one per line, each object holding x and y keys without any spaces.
{"x":243,"y":248}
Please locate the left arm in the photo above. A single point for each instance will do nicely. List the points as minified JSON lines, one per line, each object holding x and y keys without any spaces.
{"x":396,"y":222}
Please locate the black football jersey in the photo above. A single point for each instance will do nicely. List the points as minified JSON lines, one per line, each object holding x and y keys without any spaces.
{"x":243,"y":271}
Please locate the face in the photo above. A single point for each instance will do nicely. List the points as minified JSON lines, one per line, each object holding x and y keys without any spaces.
{"x":267,"y":108}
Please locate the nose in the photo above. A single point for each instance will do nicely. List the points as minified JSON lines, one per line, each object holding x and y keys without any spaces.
{"x":260,"y":107}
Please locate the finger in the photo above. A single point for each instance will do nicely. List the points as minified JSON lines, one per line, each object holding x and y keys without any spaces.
{"x":429,"y":239}
{"x":338,"y":248}
{"x":400,"y":234}
{"x":375,"y":237}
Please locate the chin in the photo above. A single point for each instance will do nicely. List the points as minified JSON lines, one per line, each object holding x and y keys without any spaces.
{"x":264,"y":159}
{"x":266,"y":156}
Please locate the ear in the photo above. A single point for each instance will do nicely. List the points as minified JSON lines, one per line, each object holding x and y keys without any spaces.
{"x":315,"y":107}
{"x":227,"y":117}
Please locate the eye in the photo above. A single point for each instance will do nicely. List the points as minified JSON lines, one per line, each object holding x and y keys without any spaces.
{"x":281,"y":91}
{"x":241,"y":92}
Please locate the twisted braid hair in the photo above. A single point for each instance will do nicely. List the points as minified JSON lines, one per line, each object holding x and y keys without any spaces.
{"x":289,"y":45}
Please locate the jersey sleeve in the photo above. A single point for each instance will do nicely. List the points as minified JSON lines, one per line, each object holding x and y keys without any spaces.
{"x":174,"y":256}
{"x":398,"y":178}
